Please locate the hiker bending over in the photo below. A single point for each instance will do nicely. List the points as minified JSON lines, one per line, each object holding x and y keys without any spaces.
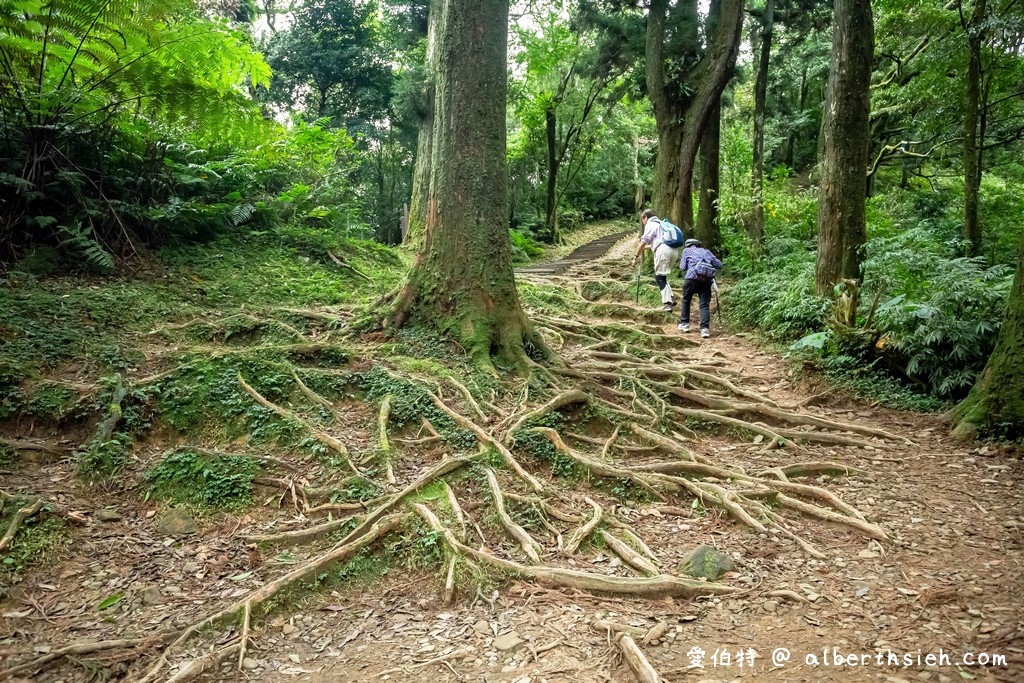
{"x":664,"y":239}
{"x":699,"y":266}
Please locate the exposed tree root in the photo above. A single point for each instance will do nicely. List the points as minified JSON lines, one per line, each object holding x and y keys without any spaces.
{"x":563,"y":399}
{"x":321,"y":436}
{"x":386,"y":450}
{"x":24,"y":445}
{"x":257,"y":597}
{"x":469,"y":398}
{"x":20,"y":516}
{"x":649,"y":587}
{"x":529,"y":546}
{"x":487,"y":440}
{"x":638,"y":663}
{"x":629,"y":556}
{"x":581,"y":533}
{"x":86,"y":648}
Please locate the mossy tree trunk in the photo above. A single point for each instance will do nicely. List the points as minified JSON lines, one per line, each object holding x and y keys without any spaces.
{"x":710,"y":160}
{"x":843,"y":190}
{"x":995,"y":405}
{"x":462,"y":282}
{"x":972,"y":146}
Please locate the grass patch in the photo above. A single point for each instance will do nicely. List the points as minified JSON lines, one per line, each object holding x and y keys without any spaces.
{"x":38,"y":540}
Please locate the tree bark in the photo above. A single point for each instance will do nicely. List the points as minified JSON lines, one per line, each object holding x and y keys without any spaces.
{"x":760,"y":98}
{"x":550,"y":216}
{"x":425,"y":138}
{"x":715,"y":69}
{"x":843,"y":189}
{"x":707,"y":210}
{"x":972,"y":161}
{"x":462,"y":282}
{"x":995,"y":406}
{"x":668,"y":111}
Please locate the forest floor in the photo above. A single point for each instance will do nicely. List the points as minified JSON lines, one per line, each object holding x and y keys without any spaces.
{"x":943,"y":575}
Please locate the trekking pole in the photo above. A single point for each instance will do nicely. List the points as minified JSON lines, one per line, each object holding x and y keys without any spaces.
{"x":638,"y":283}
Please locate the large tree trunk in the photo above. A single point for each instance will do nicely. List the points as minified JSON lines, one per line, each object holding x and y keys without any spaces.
{"x":841,"y":197}
{"x":760,"y":98}
{"x":707,"y":210}
{"x":715,"y":69}
{"x":425,"y":137}
{"x":972,"y":161}
{"x":668,"y":113}
{"x":462,"y":282}
{"x":995,"y":406}
{"x":551,"y":214}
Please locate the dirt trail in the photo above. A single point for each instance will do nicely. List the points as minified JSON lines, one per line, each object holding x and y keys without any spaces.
{"x":950,"y":579}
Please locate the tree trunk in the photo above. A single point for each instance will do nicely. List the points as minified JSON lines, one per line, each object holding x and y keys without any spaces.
{"x":550,"y":216}
{"x":841,"y":197}
{"x":462,"y":282}
{"x":995,"y":406}
{"x":972,"y":164}
{"x":707,"y":210}
{"x":667,"y":114}
{"x":760,"y":98}
{"x":425,"y":138}
{"x":715,"y":69}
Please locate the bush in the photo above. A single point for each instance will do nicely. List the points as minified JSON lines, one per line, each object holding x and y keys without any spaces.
{"x":190,"y":478}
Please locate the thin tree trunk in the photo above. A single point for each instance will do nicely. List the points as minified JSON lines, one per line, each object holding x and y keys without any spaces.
{"x":707,"y":210}
{"x":550,"y":217}
{"x":462,"y":282}
{"x":972,"y":165}
{"x":760,"y":98}
{"x":716,"y":68}
{"x":425,"y":137}
{"x":995,"y":406}
{"x":841,"y":197}
{"x":667,"y":116}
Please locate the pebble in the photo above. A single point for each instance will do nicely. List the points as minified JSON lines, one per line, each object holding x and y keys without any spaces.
{"x":770,"y":605}
{"x":250,"y":663}
{"x":509,"y":642}
{"x":109,"y":516}
{"x":289,"y":629}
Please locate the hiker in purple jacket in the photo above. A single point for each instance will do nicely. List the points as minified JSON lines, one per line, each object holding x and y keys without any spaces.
{"x":699,"y":266}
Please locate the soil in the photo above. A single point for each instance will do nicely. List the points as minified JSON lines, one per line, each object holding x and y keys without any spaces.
{"x":948,"y":582}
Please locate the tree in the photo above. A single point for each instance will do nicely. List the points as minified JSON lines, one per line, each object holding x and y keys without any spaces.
{"x":842,"y":193}
{"x":425,"y":134}
{"x":329,"y":64}
{"x":996,"y":403}
{"x":685,"y":79}
{"x":760,"y":97}
{"x":461,"y":282}
{"x":706,"y":229}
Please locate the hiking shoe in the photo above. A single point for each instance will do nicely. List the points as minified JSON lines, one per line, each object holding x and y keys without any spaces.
{"x":667,"y":308}
{"x":683,"y":327}
{"x":705,"y":333}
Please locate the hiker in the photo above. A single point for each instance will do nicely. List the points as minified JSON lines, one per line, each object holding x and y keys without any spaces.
{"x":664,"y":240}
{"x":699,"y":266}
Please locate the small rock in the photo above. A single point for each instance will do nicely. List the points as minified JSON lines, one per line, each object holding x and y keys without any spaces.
{"x":509,"y":642}
{"x":250,"y":663}
{"x":151,"y":596}
{"x":289,"y":629}
{"x":109,"y":516}
{"x":176,"y":522}
{"x":867,"y":554}
{"x":191,"y":567}
{"x":482,"y":628}
{"x":770,"y":605}
{"x":707,"y":562}
{"x":295,"y":658}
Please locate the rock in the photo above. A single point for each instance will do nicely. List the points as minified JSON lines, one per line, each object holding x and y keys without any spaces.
{"x":770,"y":605}
{"x":482,"y":628}
{"x":250,"y":663}
{"x":509,"y":642}
{"x":176,"y":522}
{"x":707,"y":562}
{"x":191,"y":567}
{"x":151,"y":596}
{"x":867,"y":554}
{"x":289,"y":629}
{"x":109,"y":516}
{"x":295,"y":658}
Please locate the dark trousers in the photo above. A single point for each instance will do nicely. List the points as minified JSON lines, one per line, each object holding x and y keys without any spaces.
{"x":703,"y":291}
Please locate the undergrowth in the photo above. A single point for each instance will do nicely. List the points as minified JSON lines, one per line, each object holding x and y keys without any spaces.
{"x":186,"y":477}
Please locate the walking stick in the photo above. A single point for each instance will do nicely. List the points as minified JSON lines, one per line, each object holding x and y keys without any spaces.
{"x":638,"y":283}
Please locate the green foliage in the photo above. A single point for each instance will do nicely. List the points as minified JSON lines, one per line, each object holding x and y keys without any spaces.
{"x":204,"y":481}
{"x":38,"y":540}
{"x":103,"y":461}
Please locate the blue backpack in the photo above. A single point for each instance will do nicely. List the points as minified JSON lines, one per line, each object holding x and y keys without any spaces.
{"x":671,"y":235}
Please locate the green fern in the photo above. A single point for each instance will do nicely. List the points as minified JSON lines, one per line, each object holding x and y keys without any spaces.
{"x":80,"y":241}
